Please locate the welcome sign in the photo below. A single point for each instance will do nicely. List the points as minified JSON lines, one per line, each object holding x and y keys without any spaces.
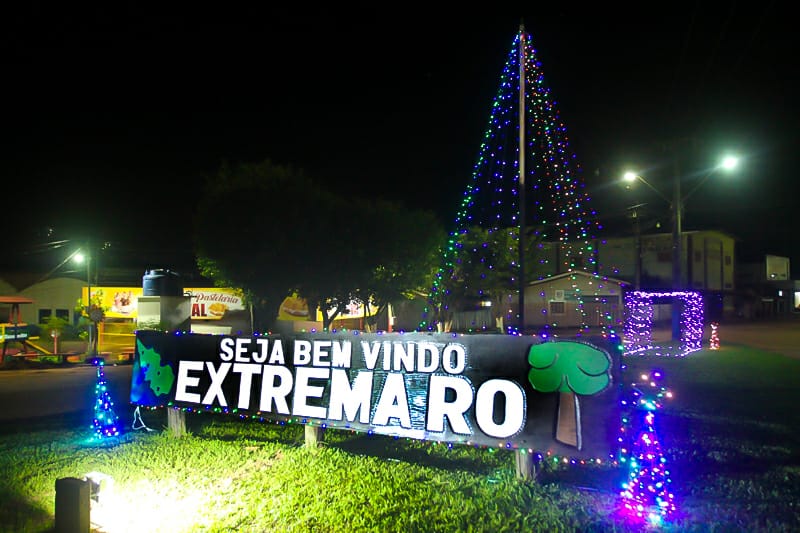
{"x":490,"y":390}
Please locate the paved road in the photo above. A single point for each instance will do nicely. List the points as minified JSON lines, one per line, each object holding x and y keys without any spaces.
{"x":32,"y":393}
{"x":780,"y":336}
{"x":777,"y":335}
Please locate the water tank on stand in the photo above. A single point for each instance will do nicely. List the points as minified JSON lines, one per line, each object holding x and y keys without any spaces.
{"x":161,"y":282}
{"x":162,"y":304}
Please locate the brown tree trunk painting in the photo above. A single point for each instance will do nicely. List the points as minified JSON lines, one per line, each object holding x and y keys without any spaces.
{"x":568,"y":425}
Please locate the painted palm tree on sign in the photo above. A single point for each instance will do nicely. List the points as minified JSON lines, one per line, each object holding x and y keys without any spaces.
{"x":571,"y":369}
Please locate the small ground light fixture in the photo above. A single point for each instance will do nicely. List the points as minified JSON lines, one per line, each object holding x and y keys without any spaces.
{"x":100,"y":485}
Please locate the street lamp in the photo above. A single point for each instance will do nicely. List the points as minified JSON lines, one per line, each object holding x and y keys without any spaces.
{"x":729,"y":162}
{"x":84,"y":257}
{"x":81,"y":256}
{"x":635,"y":214}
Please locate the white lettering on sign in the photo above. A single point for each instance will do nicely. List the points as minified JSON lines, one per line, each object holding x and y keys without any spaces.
{"x":393,"y":402}
{"x":323,"y":353}
{"x":239,"y":350}
{"x":185,"y":381}
{"x":217,"y":378}
{"x":275,"y":387}
{"x":350,"y":399}
{"x":247,"y":372}
{"x":400,"y":356}
{"x":303,"y":390}
{"x":454,"y":411}
{"x":513,"y":416}
{"x":322,"y":384}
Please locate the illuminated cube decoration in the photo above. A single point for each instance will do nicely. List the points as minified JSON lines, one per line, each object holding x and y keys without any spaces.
{"x":639,"y":322}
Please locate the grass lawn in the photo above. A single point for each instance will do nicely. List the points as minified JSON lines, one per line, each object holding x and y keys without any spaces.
{"x":729,"y":434}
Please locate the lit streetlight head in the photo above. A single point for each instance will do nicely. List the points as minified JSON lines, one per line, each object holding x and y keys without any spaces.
{"x":730,"y":162}
{"x":629,"y":176}
{"x":79,"y":257}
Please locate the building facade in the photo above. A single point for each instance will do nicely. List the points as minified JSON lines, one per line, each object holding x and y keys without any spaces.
{"x":574,"y":299}
{"x":708,"y":264}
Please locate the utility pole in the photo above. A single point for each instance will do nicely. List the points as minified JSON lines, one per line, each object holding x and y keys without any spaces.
{"x":676,"y":206}
{"x":637,"y":232}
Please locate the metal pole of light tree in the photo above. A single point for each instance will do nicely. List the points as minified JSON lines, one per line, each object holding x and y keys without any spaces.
{"x":521,"y":298}
{"x":526,"y":464}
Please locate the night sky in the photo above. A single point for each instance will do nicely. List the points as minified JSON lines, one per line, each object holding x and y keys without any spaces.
{"x":113,"y":116}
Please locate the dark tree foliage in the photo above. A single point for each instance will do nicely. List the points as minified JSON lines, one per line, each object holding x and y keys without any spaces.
{"x":271,"y":231}
{"x":483,"y":265}
{"x":255,"y":229}
{"x":408,"y":252}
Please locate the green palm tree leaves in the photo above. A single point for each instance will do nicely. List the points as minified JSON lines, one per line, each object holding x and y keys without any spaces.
{"x":568,"y":367}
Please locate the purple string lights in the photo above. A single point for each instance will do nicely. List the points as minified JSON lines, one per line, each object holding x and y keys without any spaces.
{"x":646,"y":494}
{"x":639,"y":322}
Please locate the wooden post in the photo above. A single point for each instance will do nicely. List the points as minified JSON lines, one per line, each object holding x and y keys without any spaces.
{"x":527,"y":465}
{"x":313,"y":436}
{"x":176,"y":422}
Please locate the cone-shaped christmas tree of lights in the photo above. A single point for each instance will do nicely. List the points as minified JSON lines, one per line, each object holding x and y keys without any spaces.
{"x":106,"y":421}
{"x":487,"y":258}
{"x":647,"y":492}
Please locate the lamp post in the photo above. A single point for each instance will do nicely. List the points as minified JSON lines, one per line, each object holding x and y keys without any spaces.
{"x":635,"y":214}
{"x":85,"y":257}
{"x":676,"y":204}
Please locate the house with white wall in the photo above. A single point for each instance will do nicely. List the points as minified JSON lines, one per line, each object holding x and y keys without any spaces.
{"x":574,"y":299}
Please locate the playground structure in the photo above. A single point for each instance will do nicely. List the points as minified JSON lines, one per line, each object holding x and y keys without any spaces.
{"x":16,"y":332}
{"x":17,"y":342}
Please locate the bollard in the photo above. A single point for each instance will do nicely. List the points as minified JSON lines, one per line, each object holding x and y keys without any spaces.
{"x":72,"y":505}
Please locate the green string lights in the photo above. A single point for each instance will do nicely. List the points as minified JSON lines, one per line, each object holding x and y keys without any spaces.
{"x":556,"y":203}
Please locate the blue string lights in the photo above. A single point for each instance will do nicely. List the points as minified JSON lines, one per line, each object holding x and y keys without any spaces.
{"x":106,"y":421}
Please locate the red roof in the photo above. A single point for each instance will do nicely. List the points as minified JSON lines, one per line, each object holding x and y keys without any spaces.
{"x":15,"y":300}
